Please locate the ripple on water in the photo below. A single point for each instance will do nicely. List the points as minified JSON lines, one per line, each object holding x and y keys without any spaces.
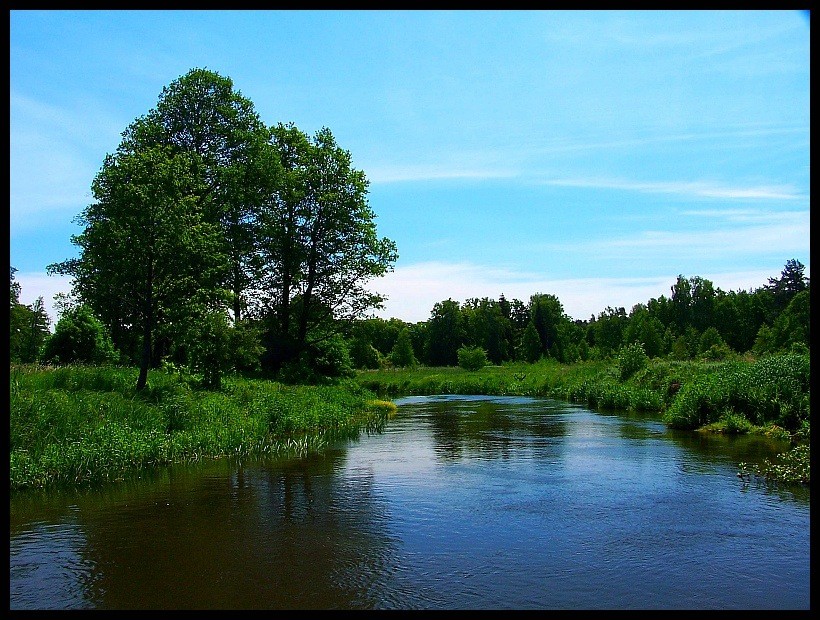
{"x":48,"y":570}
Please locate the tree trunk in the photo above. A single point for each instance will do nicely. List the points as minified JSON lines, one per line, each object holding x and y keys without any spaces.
{"x":145,"y":360}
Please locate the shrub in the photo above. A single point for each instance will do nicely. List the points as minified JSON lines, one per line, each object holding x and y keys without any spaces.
{"x":631,"y":359}
{"x":472,"y":358}
{"x":79,"y":337}
{"x":209,"y":351}
{"x":402,"y":354}
{"x":774,"y":389}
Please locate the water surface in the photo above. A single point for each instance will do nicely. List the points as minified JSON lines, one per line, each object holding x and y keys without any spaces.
{"x":462,"y":503}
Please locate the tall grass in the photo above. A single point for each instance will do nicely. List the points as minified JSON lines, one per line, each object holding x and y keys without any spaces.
{"x":773,"y":390}
{"x":770,"y":396}
{"x":595,"y":383}
{"x":79,"y":424}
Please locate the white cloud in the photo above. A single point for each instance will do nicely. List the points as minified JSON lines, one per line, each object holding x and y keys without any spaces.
{"x":431,"y":172}
{"x":688,"y":188}
{"x":413,"y":290}
{"x":38,"y":284}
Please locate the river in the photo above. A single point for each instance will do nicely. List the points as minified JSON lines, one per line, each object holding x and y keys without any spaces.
{"x":463,"y":502}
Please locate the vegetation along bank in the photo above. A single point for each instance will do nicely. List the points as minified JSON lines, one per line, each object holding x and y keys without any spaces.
{"x":221,"y":304}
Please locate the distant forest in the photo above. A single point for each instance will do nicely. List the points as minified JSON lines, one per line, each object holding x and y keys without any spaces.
{"x":697,"y":321}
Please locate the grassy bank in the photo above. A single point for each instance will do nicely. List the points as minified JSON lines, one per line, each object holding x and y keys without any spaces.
{"x":75,"y":425}
{"x":769,"y":396}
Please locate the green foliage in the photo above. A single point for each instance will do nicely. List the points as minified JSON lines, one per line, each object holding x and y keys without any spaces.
{"x":245,"y":341}
{"x":709,"y":338}
{"x":773,"y":390}
{"x":402,"y":354}
{"x":792,"y":326}
{"x":28,"y":325}
{"x":631,"y":359}
{"x":645,"y":329}
{"x":472,"y":358}
{"x":446,"y":332}
{"x":77,"y":425}
{"x":208,"y":347}
{"x":792,"y":281}
{"x":79,"y":337}
{"x":530,"y":344}
{"x":547,"y":313}
{"x":364,"y":355}
{"x":712,"y":347}
{"x":324,"y":361}
{"x":317,"y":238}
{"x":790,"y":467}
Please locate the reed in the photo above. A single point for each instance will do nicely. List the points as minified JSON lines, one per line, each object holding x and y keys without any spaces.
{"x":77,"y":425}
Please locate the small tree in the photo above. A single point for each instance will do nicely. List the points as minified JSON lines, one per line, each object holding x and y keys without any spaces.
{"x":631,"y":359}
{"x":79,"y":337}
{"x":531,"y":344}
{"x":208,"y":348}
{"x":363,"y":354}
{"x":402,"y":354}
{"x":472,"y":358}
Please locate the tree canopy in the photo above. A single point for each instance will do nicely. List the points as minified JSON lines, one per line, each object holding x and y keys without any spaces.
{"x":203,"y":210}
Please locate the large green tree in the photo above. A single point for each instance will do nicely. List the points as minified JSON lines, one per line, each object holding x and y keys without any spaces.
{"x":149,"y":257}
{"x":318,"y":244}
{"x":547,"y":313}
{"x":446,"y":333}
{"x":792,"y":281}
{"x":201,"y":114}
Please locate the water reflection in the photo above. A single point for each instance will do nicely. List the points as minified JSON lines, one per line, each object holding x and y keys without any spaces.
{"x":239,"y":537}
{"x":494,"y":428}
{"x":461,"y":503}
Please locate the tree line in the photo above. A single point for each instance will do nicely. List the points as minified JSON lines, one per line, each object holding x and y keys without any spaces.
{"x":697,"y":321}
{"x":217,"y":242}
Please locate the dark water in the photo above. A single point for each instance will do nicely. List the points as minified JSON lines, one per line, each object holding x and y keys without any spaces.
{"x":462,"y":503}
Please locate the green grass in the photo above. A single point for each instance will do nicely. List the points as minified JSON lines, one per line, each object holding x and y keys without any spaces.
{"x":76,"y":425}
{"x":595,"y":383}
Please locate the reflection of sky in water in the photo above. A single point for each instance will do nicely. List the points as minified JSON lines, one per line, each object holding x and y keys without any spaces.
{"x":462,"y":502}
{"x":47,"y":568}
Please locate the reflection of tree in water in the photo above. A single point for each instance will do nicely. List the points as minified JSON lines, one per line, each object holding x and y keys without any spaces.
{"x":291,"y":535}
{"x":493,"y":430}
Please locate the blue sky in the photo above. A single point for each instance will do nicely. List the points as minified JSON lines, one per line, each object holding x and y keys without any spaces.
{"x":593,"y":155}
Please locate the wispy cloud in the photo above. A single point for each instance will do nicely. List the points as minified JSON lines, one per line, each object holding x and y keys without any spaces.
{"x":523,"y":158}
{"x":688,"y":188}
{"x":425,"y":172}
{"x":55,"y":153}
{"x":747,"y":215}
{"x":784,"y":234}
{"x":413,"y":290}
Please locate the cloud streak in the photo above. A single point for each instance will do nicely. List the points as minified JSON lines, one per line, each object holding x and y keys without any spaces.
{"x":686,"y":188}
{"x":413,"y":290}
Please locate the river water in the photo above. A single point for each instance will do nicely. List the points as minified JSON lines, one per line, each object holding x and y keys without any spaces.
{"x":461,"y":503}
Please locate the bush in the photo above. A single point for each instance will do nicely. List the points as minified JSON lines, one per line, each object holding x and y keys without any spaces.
{"x":326,"y":360}
{"x":209,"y":351}
{"x":631,"y":359}
{"x":402,"y":354}
{"x":472,"y":358}
{"x":79,"y":337}
{"x":773,"y":390}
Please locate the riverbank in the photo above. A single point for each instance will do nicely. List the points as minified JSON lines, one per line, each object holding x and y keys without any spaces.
{"x":769,"y":396}
{"x":77,"y":425}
